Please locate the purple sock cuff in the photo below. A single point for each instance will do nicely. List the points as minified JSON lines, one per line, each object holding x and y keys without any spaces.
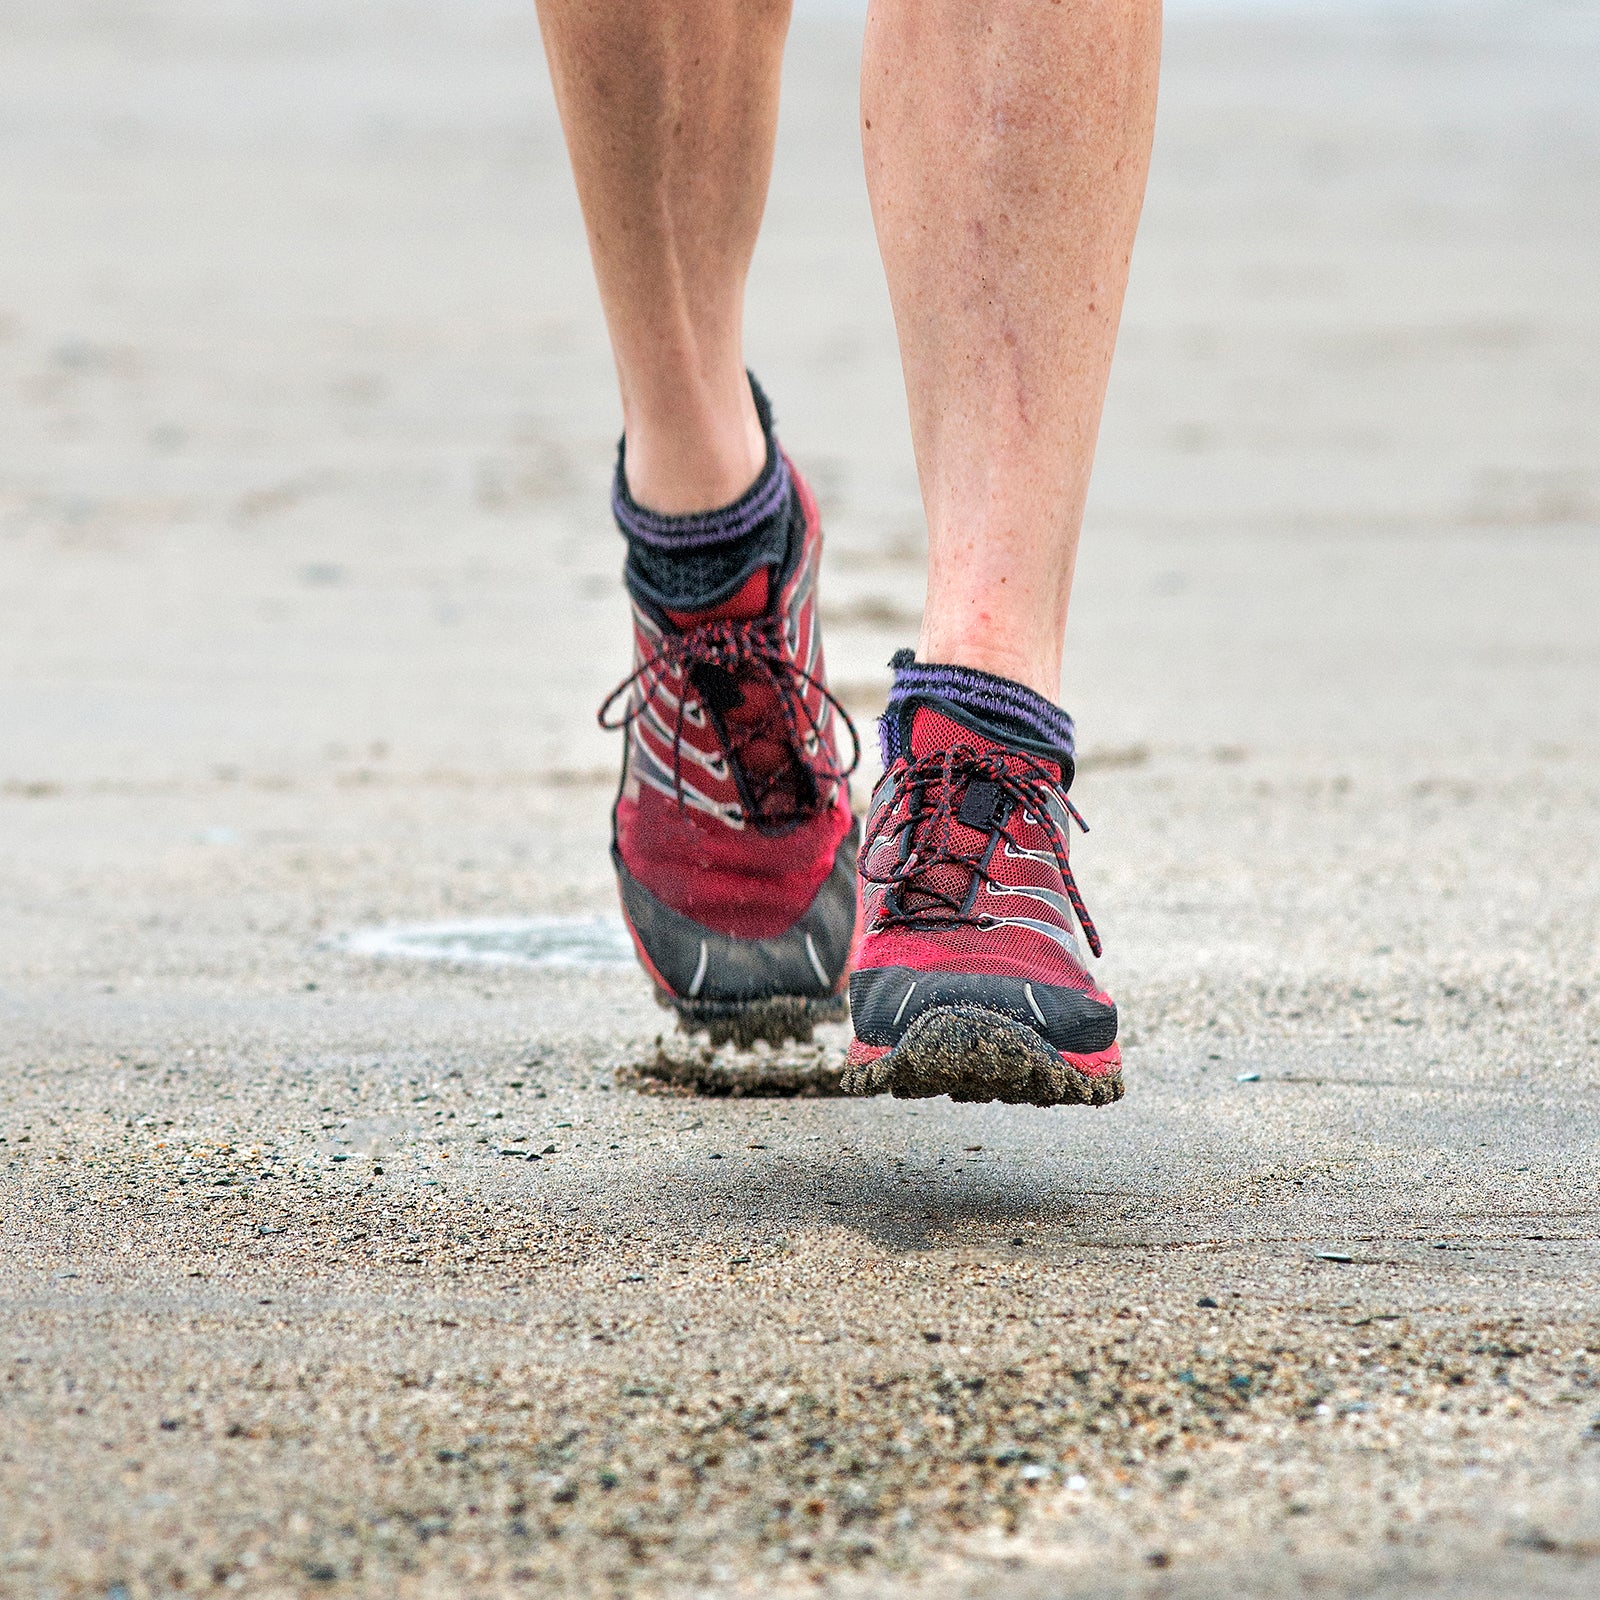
{"x":763,"y":500}
{"x":994,"y":699}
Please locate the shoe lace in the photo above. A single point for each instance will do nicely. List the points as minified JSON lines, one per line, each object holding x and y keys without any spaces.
{"x":928,"y":830}
{"x":790,"y":790}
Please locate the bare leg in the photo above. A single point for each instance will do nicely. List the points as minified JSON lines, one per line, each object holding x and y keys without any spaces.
{"x":1006,"y":145}
{"x":670,"y":109}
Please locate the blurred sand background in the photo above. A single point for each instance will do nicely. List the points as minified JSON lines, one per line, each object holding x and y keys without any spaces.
{"x":307,"y":594}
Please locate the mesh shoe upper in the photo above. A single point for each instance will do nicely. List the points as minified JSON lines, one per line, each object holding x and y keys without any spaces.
{"x":734,"y":804}
{"x":965,"y":874}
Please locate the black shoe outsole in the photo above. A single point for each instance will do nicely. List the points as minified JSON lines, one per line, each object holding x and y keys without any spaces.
{"x":777,"y":1019}
{"x":973,"y":1054}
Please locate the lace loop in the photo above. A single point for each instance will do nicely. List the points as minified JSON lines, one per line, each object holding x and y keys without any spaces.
{"x":928,"y":833}
{"x":740,"y":649}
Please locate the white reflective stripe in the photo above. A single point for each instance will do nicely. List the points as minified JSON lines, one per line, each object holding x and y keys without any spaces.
{"x":647,"y":768}
{"x":1033,"y":1005}
{"x":700,"y":971}
{"x":713,"y":763}
{"x":1048,"y":929}
{"x":1058,"y":813}
{"x":904,"y":1003}
{"x":691,"y":797}
{"x":693,"y":711}
{"x":816,"y":961}
{"x":1017,"y":853}
{"x":1057,"y":902}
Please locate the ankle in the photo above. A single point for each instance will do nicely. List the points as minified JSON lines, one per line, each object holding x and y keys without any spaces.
{"x":689,"y":561}
{"x":693,"y":457}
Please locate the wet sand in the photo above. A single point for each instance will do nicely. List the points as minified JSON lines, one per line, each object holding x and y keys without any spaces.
{"x":306,"y":597}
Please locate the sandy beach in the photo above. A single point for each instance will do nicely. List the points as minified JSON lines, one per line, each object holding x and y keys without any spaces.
{"x":331,"y":1272}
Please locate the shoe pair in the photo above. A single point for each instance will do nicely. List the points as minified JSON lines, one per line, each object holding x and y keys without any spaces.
{"x":741,"y":882}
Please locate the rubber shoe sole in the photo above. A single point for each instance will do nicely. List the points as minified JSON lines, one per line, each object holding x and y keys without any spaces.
{"x":974,"y":1054}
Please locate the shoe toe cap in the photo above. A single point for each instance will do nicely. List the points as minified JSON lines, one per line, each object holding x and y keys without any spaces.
{"x":886,"y":1001}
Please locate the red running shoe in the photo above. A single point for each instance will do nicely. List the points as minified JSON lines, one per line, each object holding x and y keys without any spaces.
{"x":732,"y":833}
{"x":969,"y":980}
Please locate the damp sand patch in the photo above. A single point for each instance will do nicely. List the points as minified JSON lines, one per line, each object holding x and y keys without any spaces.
{"x":569,"y":943}
{"x":679,"y":1065}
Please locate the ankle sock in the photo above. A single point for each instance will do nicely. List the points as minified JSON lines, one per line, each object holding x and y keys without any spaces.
{"x":996,"y":705}
{"x":700,"y":560}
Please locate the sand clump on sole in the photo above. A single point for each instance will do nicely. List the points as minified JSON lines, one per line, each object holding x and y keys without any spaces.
{"x":776,"y":1020}
{"x":972,"y":1054}
{"x":689,"y":1066}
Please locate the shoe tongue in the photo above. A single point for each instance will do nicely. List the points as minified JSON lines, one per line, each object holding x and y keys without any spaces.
{"x":759,"y":736}
{"x":933,"y":732}
{"x":748,"y":602}
{"x":937,"y":890}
